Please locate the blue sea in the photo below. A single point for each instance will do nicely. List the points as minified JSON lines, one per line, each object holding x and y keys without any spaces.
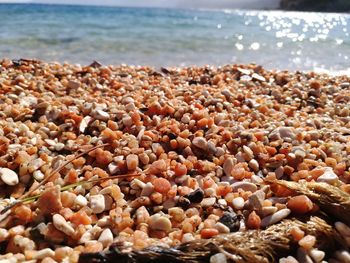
{"x":175,"y":37}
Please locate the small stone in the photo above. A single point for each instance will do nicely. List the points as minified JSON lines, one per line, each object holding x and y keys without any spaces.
{"x":248,"y":152}
{"x":255,"y":201}
{"x":238,"y":203}
{"x":200,"y":143}
{"x":100,"y":115}
{"x":317,"y":255}
{"x":106,"y":237}
{"x":113,"y":168}
{"x":73,"y":84}
{"x":147,"y":190}
{"x":159,"y":222}
{"x":222,"y":228}
{"x":343,"y":229}
{"x":208,"y":202}
{"x":132,"y":161}
{"x":80,"y":201}
{"x":218,"y":258}
{"x":84,"y":123}
{"x":187,"y":237}
{"x":4,"y":234}
{"x":231,"y":220}
{"x":328,"y":177}
{"x":245,"y":186}
{"x":254,"y":165}
{"x":97,"y":203}
{"x":127,"y":121}
{"x":268,"y":210}
{"x":61,"y":224}
{"x":302,"y":256}
{"x":35,"y":164}
{"x":288,"y":259}
{"x":228,"y":166}
{"x":8,"y":176}
{"x":276,"y":217}
{"x":342,"y":255}
{"x":59,"y":146}
{"x":43,"y":253}
{"x":196,"y":196}
{"x":38,"y":175}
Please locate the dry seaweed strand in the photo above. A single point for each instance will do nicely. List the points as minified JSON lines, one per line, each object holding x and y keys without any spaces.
{"x":332,"y":200}
{"x":248,"y":246}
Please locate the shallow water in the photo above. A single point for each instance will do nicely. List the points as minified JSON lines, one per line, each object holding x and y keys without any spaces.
{"x":150,"y":36}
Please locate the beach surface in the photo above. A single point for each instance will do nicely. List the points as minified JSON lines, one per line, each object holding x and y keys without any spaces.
{"x":142,"y":157}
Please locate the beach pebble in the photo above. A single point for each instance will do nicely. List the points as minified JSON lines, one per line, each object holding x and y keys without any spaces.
{"x":196,"y":196}
{"x":132,"y":161}
{"x":8,"y":176}
{"x":218,"y":258}
{"x":238,"y":203}
{"x":343,"y":229}
{"x":289,"y":259}
{"x":187,"y":237}
{"x":38,"y":175}
{"x":84,"y":123}
{"x":342,"y":255}
{"x":43,"y":253}
{"x":307,"y":242}
{"x":100,"y":115}
{"x":245,"y":186}
{"x":222,"y":228}
{"x":208,"y":202}
{"x":254,"y":165}
{"x":200,"y":142}
{"x":80,"y":201}
{"x":97,"y":203}
{"x":276,"y":217}
{"x":59,"y":146}
{"x":255,"y":201}
{"x":228,"y":166}
{"x":159,"y":222}
{"x":73,"y":84}
{"x":62,"y":225}
{"x":268,"y":210}
{"x":231,"y":220}
{"x":106,"y":237}
{"x":4,"y":234}
{"x":328,"y":176}
{"x":317,"y":255}
{"x":302,"y":256}
{"x":147,"y":190}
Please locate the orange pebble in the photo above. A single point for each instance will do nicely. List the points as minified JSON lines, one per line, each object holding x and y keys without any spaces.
{"x":297,"y":233}
{"x":307,"y":242}
{"x":253,"y":221}
{"x":209,"y":232}
{"x":161,"y":185}
{"x":300,"y":204}
{"x":80,"y":218}
{"x":180,"y":169}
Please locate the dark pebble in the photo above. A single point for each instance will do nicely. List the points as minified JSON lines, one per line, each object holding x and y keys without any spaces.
{"x":196,"y":196}
{"x":231,"y":220}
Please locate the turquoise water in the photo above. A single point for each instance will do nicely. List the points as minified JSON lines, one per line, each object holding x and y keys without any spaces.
{"x":172,"y":37}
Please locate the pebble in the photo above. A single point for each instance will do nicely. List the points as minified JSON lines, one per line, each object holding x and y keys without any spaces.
{"x":62,"y":225}
{"x":328,"y":177}
{"x":276,"y":217}
{"x":343,"y":256}
{"x":43,"y":253}
{"x":254,"y":165}
{"x":208,"y":202}
{"x":245,"y":186}
{"x":196,"y":196}
{"x":238,"y":203}
{"x":228,"y":166}
{"x":80,"y":201}
{"x":218,"y":258}
{"x":59,"y":146}
{"x":231,"y":220}
{"x":100,"y":115}
{"x":73,"y":84}
{"x":38,"y":175}
{"x":113,"y":168}
{"x":159,"y":222}
{"x":317,"y":255}
{"x":222,"y":228}
{"x":84,"y":123}
{"x":4,"y":234}
{"x":200,"y":142}
{"x":8,"y":176}
{"x":268,"y":210}
{"x":343,"y":229}
{"x":255,"y":201}
{"x":289,"y":259}
{"x":97,"y":203}
{"x":187,"y":237}
{"x":147,"y":190}
{"x":106,"y":237}
{"x":132,"y":161}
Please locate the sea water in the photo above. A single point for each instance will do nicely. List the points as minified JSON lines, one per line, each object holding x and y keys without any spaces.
{"x":175,"y":37}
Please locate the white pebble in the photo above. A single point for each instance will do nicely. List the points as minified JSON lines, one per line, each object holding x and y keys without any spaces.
{"x":317,"y":255}
{"x":97,"y":203}
{"x":8,"y":176}
{"x":276,"y":217}
{"x":238,"y":203}
{"x":106,"y":237}
{"x":38,"y":175}
{"x":288,"y":259}
{"x":343,"y":229}
{"x":61,"y":224}
{"x":4,"y":234}
{"x":187,"y":237}
{"x":246,"y":186}
{"x":328,"y":177}
{"x":59,"y":146}
{"x":343,"y":256}
{"x":228,"y":166}
{"x":43,"y":253}
{"x":208,"y":202}
{"x":80,"y":201}
{"x":254,"y":165}
{"x":147,"y":190}
{"x":218,"y":258}
{"x":100,"y":115}
{"x":222,"y":228}
{"x":159,"y":222}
